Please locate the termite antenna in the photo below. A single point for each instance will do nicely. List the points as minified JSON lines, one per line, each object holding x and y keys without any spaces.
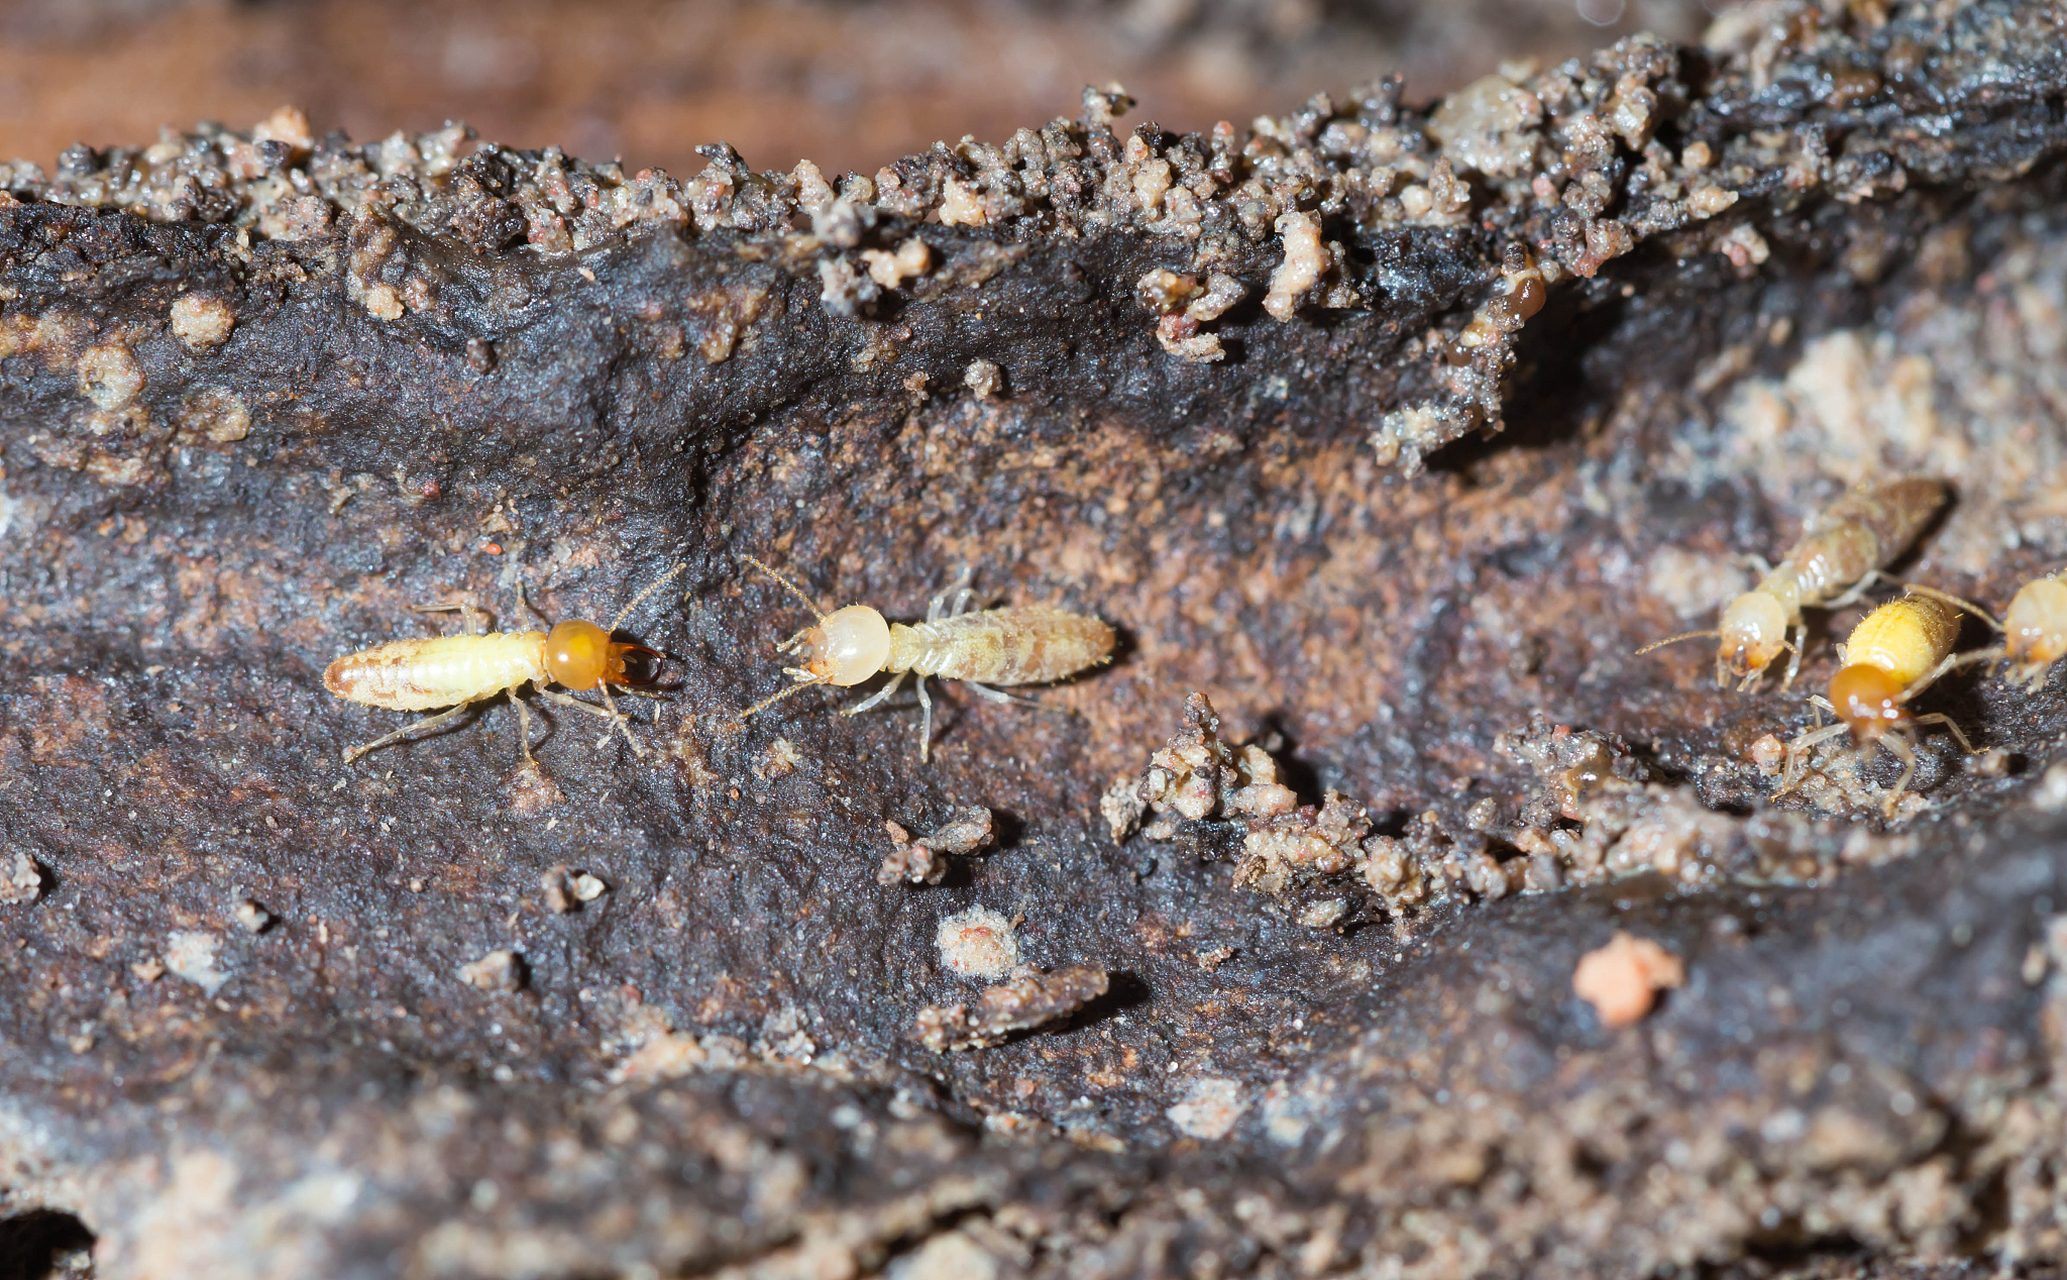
{"x":1918,"y":589}
{"x":795,"y":590}
{"x":1660,"y":644}
{"x":640,"y":598}
{"x":529,"y":607}
{"x":774,"y":698}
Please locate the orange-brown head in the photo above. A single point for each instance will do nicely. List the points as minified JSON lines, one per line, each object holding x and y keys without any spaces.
{"x":1868,"y":700}
{"x":581,"y":655}
{"x":1752,"y":633}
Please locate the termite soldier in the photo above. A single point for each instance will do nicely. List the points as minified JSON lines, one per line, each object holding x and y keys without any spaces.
{"x":457,"y":671}
{"x":1013,"y":645}
{"x":1896,"y":652}
{"x":1839,"y":555}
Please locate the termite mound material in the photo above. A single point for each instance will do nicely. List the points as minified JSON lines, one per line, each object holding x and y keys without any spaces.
{"x":1325,"y":1022}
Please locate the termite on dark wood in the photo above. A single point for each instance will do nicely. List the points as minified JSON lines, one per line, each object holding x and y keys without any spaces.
{"x":1839,"y":555}
{"x":1895,"y":653}
{"x":457,"y":671}
{"x":1011,"y":645}
{"x":2034,"y":631}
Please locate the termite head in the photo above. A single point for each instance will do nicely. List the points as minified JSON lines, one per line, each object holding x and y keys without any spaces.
{"x":1868,"y":700}
{"x":2035,"y":630}
{"x":846,"y":647}
{"x":581,"y":655}
{"x":1753,"y":632}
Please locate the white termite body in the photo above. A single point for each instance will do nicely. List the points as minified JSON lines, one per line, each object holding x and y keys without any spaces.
{"x":2035,"y":631}
{"x":1006,"y":646}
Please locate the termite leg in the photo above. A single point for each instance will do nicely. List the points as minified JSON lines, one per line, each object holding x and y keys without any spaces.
{"x":1798,"y":750}
{"x":1821,"y":704}
{"x":936,"y":606}
{"x":529,"y":607}
{"x":925,"y":724}
{"x":1900,"y":749}
{"x":1758,"y":564}
{"x":1801,"y":642}
{"x":523,"y":728}
{"x":617,"y":717}
{"x":428,"y":722}
{"x":996,"y":695}
{"x":877,"y":697}
{"x":1858,"y":591}
{"x":1957,"y":602}
{"x":611,"y":713}
{"x":473,"y":619}
{"x":1939,"y":717}
{"x":1950,"y":662}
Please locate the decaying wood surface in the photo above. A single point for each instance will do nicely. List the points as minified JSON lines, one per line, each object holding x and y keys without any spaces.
{"x":1388,"y":432}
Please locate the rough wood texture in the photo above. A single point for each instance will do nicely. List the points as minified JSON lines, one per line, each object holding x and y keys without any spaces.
{"x":269,"y":1015}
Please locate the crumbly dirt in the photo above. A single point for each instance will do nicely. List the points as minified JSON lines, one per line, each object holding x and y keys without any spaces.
{"x":1567,"y":351}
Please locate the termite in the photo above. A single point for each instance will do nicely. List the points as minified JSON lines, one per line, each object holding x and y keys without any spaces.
{"x":1012,"y":645}
{"x":1895,"y":653}
{"x":457,"y":671}
{"x":2034,"y":630}
{"x":1839,"y":555}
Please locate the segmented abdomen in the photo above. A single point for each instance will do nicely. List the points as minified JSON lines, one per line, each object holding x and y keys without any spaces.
{"x":1905,"y":637}
{"x":1860,"y":532}
{"x":1017,"y":644}
{"x":442,"y":671}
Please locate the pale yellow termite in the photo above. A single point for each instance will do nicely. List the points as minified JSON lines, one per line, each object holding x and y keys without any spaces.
{"x":1839,"y":554}
{"x":1013,"y":645}
{"x":458,"y":671}
{"x":2034,"y":631}
{"x":1896,"y":652}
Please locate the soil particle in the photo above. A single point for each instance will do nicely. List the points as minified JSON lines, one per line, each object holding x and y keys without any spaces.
{"x":1622,"y":979}
{"x":496,"y":971}
{"x":202,"y":320}
{"x":24,"y":882}
{"x":978,"y":943}
{"x":1031,"y":999}
{"x":924,"y":861}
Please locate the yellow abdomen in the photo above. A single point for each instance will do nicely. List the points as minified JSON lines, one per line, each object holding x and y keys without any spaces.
{"x":443,"y":671}
{"x":1906,"y":637}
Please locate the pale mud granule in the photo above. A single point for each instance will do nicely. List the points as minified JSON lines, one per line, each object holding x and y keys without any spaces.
{"x":1622,"y":979}
{"x":1305,"y":258}
{"x":1695,"y":585}
{"x":978,"y":943}
{"x":1212,"y":1105}
{"x":1969,"y":388}
{"x":1030,"y":999}
{"x":195,"y":955}
{"x":1850,"y":409}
